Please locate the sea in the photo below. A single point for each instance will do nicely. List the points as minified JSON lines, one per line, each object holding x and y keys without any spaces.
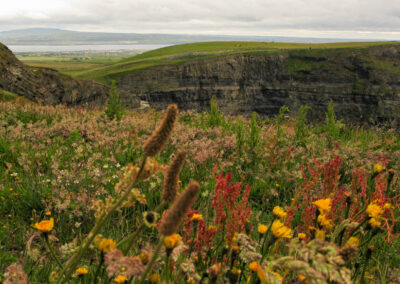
{"x":76,"y":48}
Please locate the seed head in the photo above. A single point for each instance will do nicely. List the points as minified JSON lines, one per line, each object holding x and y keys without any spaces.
{"x":172,"y":220}
{"x":160,"y":136}
{"x":171,"y":179}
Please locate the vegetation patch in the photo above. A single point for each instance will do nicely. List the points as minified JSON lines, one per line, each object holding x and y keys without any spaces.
{"x":88,"y":199}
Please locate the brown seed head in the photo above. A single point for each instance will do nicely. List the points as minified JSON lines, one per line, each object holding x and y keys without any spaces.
{"x":160,"y":136}
{"x":171,"y":221}
{"x":171,"y":179}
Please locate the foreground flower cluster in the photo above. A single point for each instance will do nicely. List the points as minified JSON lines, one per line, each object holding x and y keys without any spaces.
{"x":328,"y":228}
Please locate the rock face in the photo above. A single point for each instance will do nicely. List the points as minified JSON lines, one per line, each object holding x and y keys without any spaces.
{"x":51,"y":87}
{"x":363,"y":83}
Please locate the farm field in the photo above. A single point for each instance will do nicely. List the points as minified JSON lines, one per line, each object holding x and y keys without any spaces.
{"x":209,"y":199}
{"x":72,"y":62}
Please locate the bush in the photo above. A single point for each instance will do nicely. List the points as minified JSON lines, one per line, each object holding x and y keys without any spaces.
{"x":114,"y":108}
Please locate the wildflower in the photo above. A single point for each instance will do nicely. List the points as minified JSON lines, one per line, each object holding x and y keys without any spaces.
{"x":378,"y":168}
{"x":173,"y":218}
{"x":105,"y":245}
{"x":144,"y":257}
{"x":374,"y":211}
{"x":320,"y":234}
{"x":353,"y":241}
{"x":212,"y":228}
{"x":120,"y":279}
{"x":262,"y":229}
{"x":48,"y":213}
{"x":301,"y":236}
{"x":253,"y":266}
{"x":323,"y":205}
{"x":279,"y":212}
{"x":214,"y":271}
{"x":155,"y":278}
{"x":44,"y":226}
{"x":387,"y":206}
{"x":171,"y":179}
{"x":160,"y":136}
{"x":197,"y":217}
{"x":280,"y":230}
{"x":374,"y":222}
{"x":325,"y":222}
{"x":302,"y":277}
{"x":172,"y":241}
{"x":256,"y":267}
{"x":81,"y":271}
{"x":150,"y":218}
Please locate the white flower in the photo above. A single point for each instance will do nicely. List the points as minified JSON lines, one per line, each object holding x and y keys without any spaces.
{"x":105,"y":166}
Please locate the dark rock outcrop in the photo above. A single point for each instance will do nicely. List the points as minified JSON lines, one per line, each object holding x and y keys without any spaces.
{"x":48,"y":86}
{"x":363,"y":83}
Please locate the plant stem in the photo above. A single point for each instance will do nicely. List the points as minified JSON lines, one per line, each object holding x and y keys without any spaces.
{"x":46,"y":237}
{"x":152,"y":260}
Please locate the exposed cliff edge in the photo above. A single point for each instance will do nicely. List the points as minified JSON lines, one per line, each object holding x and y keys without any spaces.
{"x":48,"y":86}
{"x":363,"y":83}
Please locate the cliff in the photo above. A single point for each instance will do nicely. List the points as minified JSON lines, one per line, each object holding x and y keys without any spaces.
{"x":362,"y":82}
{"x":48,"y":86}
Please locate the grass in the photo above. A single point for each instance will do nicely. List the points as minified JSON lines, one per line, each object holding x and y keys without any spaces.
{"x":68,"y":163}
{"x":71,"y":63}
{"x":179,"y":54}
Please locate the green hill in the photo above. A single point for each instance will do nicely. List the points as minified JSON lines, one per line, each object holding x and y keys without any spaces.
{"x":179,"y":54}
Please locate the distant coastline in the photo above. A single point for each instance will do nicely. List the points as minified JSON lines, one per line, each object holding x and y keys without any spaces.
{"x":83,"y":47}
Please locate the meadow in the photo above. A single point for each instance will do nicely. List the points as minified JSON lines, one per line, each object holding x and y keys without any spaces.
{"x":71,"y":63}
{"x":207,"y":199}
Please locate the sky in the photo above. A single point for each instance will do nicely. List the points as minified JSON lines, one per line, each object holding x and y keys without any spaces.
{"x":359,"y":19}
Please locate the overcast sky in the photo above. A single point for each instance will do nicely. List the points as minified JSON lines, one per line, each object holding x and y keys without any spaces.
{"x":378,"y":19}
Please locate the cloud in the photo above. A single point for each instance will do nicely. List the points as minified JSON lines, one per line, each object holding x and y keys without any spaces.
{"x":263,"y":17}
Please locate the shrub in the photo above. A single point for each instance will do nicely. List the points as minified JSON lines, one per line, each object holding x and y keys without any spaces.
{"x":114,"y":108}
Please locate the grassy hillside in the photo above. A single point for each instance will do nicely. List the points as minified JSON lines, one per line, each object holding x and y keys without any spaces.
{"x":71,"y":63}
{"x":9,"y":96}
{"x":178,"y":54}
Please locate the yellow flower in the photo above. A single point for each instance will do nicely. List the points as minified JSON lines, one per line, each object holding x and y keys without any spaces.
{"x":253,"y":266}
{"x":212,"y":228}
{"x":105,"y":245}
{"x":302,"y":277}
{"x":378,"y":168}
{"x":325,"y":222}
{"x":81,"y":271}
{"x":155,"y":278}
{"x":301,"y":236}
{"x":320,"y":234}
{"x":150,"y":218}
{"x":323,"y":205}
{"x":172,"y":241}
{"x":374,"y":222}
{"x":280,"y":230}
{"x":144,"y":257}
{"x":48,"y":213}
{"x":44,"y":226}
{"x":353,"y":241}
{"x":120,"y":279}
{"x":387,"y":206}
{"x":279,"y":212}
{"x":197,"y":217}
{"x":262,"y":229}
{"x":374,"y":210}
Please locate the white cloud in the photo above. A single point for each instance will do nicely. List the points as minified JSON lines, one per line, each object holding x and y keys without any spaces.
{"x":349,"y":18}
